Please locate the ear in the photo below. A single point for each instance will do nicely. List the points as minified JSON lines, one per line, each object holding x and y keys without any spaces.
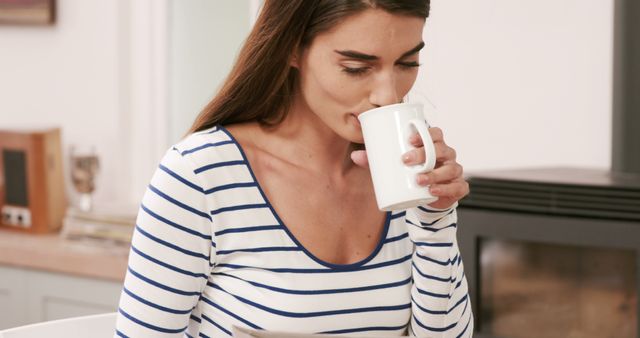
{"x":295,"y":58}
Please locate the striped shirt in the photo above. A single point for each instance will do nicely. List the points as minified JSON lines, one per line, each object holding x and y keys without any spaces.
{"x":210,"y":252}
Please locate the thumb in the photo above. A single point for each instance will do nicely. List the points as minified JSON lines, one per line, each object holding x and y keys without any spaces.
{"x":359,"y":157}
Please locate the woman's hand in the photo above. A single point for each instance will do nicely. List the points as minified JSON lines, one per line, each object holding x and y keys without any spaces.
{"x":445,"y":181}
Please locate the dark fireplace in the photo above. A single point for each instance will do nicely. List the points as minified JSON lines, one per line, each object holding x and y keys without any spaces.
{"x":555,"y":252}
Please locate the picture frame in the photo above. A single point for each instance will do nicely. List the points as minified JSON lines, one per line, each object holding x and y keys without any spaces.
{"x":27,"y":12}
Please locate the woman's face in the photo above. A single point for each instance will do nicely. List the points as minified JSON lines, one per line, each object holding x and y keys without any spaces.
{"x":368,"y":60}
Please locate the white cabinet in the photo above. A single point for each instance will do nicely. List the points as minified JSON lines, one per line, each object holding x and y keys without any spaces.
{"x":30,"y":296}
{"x":13,"y":305}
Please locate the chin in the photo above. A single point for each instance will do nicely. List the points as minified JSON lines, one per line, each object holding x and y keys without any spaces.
{"x":353,"y":135}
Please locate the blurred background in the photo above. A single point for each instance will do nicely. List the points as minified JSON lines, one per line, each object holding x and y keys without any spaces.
{"x":513,"y":84}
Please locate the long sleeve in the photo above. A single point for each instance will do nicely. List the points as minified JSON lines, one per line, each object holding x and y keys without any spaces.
{"x":439,"y":296}
{"x":171,"y":254}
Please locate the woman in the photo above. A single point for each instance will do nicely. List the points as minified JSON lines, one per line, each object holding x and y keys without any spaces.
{"x":265,"y":217}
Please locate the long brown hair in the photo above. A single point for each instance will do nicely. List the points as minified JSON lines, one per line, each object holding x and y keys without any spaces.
{"x":261,"y":85}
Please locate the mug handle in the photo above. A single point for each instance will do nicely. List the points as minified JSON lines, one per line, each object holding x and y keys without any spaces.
{"x":430,"y":150}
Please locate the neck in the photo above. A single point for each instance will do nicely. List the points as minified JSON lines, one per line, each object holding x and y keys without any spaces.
{"x":304,"y":140}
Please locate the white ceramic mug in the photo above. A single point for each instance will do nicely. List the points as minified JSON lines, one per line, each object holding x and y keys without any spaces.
{"x":386,"y":132}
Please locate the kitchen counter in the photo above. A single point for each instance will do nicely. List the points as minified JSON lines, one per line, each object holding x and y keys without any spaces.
{"x":50,"y":252}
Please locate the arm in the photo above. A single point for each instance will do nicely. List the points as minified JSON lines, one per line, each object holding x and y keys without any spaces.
{"x":171,"y":254}
{"x":439,"y":297}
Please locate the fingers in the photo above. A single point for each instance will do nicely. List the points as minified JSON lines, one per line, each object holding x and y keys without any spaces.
{"x":445,"y":173}
{"x":444,"y":153}
{"x":359,"y":157}
{"x":449,"y":194}
{"x":455,"y":190}
{"x":436,"y":136}
{"x":446,"y":181}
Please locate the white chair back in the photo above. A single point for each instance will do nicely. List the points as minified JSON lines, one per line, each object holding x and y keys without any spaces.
{"x":95,"y":326}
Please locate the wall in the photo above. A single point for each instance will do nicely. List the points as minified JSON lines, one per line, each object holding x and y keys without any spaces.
{"x":520,"y":83}
{"x":102,"y":73}
{"x":205,"y":37}
{"x":68,"y":75}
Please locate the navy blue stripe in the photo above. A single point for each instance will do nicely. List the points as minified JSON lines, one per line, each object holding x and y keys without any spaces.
{"x":188,"y":335}
{"x":433,"y":312}
{"x":318,"y":292}
{"x":195,"y":318}
{"x":230,"y":186}
{"x":364,"y":329}
{"x":181,"y":179}
{"x":413,"y":333}
{"x":154,"y":305}
{"x":465,"y":327}
{"x":429,"y":259}
{"x":178,"y":203}
{"x":397,"y":238}
{"x":438,"y":220}
{"x":452,"y":225}
{"x":433,"y":294}
{"x":248,"y":229}
{"x":440,"y":279}
{"x":204,"y":146}
{"x":216,"y":324}
{"x":239,"y":207}
{"x":265,"y":249}
{"x":430,"y":211}
{"x":173,"y":224}
{"x":250,"y":324}
{"x":448,"y":327}
{"x":425,"y":224}
{"x":398,"y":215}
{"x":167,"y":265}
{"x":287,"y":270}
{"x":460,"y":281}
{"x":162,"y":286}
{"x":434,"y":329}
{"x":120,"y":334}
{"x":149,"y":326}
{"x":434,"y":245}
{"x":218,"y":165}
{"x":172,"y":246}
{"x":314,"y":314}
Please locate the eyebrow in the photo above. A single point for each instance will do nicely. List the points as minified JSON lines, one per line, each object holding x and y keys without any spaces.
{"x":361,"y":56}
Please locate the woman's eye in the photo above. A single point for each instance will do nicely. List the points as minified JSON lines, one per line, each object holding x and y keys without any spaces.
{"x":408,"y":65}
{"x":355,"y":71}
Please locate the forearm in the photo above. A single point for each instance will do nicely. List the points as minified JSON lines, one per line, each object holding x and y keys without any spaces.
{"x":440,"y":301}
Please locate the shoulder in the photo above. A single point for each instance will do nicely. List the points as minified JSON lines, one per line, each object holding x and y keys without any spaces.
{"x":204,"y":147}
{"x":194,"y":142}
{"x":205,"y":157}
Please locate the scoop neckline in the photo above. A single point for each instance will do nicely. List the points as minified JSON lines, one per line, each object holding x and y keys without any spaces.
{"x":281,"y":223}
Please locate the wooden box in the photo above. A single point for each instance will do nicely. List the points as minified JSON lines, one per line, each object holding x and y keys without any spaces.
{"x":32,"y":190}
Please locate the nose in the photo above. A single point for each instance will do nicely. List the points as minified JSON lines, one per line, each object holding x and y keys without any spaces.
{"x":384,"y":92}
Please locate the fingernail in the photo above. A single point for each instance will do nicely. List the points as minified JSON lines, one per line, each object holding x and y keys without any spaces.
{"x":407,"y":157}
{"x":435,"y":190}
{"x":423,"y":180}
